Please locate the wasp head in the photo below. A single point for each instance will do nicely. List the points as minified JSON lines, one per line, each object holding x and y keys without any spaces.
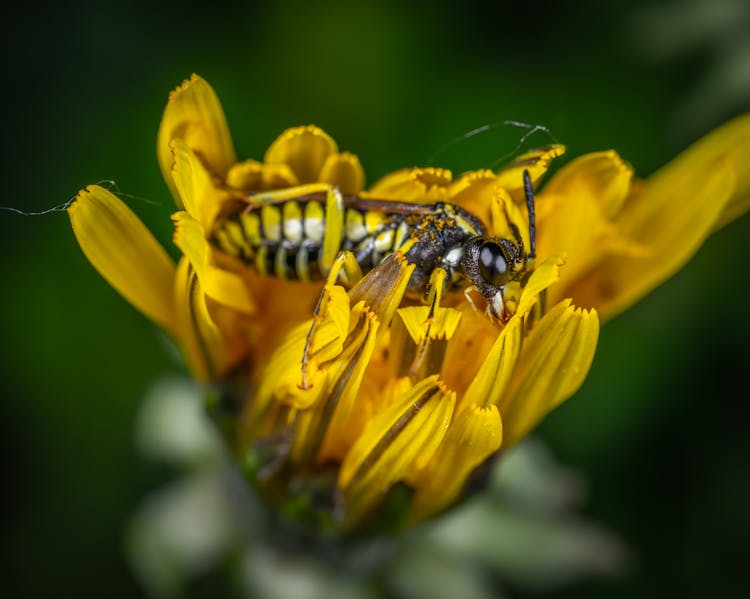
{"x":496,"y":268}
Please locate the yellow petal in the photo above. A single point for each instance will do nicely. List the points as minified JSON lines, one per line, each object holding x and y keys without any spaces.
{"x":580,"y":201}
{"x":225,"y":287}
{"x":475,"y":192}
{"x":670,"y":217}
{"x":345,"y":172}
{"x":544,"y":275}
{"x":474,"y":435}
{"x":730,"y":142}
{"x":200,"y":198}
{"x":400,"y":439}
{"x":251,"y":176}
{"x":553,"y":363}
{"x":601,"y":177}
{"x":337,"y":424}
{"x":204,"y":347}
{"x":194,"y":114}
{"x":419,"y":341}
{"x":494,"y":374}
{"x":413,"y":185}
{"x":304,"y":149}
{"x":125,"y":253}
{"x":535,"y":161}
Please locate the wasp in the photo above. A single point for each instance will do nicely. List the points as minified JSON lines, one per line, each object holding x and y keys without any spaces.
{"x":297,"y":233}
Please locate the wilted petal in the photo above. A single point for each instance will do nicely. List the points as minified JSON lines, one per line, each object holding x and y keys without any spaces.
{"x":125,"y":253}
{"x":194,"y":114}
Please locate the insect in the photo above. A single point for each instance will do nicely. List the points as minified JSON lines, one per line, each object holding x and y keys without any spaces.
{"x":297,"y":233}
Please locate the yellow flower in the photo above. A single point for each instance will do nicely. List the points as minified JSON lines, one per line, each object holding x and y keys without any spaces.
{"x":354,"y":394}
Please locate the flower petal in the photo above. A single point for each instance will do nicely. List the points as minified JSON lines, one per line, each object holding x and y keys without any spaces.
{"x":304,"y":149}
{"x":223,"y":286}
{"x":602,"y":177}
{"x":332,"y":427}
{"x":553,"y":363}
{"x":194,"y":114}
{"x":252,"y":175}
{"x":494,"y":374}
{"x":670,"y":217}
{"x":202,"y":343}
{"x":576,"y":210}
{"x":474,"y":435}
{"x":730,"y":142}
{"x":475,"y":192}
{"x":419,"y":341}
{"x":125,"y":253}
{"x":344,"y":171}
{"x":400,"y":439}
{"x":413,"y":185}
{"x":535,"y":161}
{"x":200,"y":197}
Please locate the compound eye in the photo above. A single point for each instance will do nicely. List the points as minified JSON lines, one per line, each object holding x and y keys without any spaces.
{"x":492,"y":264}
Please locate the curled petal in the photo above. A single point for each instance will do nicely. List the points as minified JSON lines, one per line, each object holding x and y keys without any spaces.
{"x":304,"y":149}
{"x":125,"y":253}
{"x":223,"y":286}
{"x":197,"y":193}
{"x":330,"y":428}
{"x":553,"y":363}
{"x":204,"y":347}
{"x":194,"y":114}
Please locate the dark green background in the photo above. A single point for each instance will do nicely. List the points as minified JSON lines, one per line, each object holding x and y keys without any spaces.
{"x":660,"y":425}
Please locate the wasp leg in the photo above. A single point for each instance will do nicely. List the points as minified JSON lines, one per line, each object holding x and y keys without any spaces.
{"x":434,"y":295}
{"x":344,"y":265}
{"x":275,"y":196}
{"x":467,"y":295}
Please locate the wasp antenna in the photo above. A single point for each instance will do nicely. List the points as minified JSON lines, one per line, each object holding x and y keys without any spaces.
{"x":529,"y":190}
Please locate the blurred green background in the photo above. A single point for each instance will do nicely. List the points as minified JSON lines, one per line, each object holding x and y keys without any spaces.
{"x":659,"y":428}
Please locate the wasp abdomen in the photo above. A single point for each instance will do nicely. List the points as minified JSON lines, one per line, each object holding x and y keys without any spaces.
{"x":285,"y":239}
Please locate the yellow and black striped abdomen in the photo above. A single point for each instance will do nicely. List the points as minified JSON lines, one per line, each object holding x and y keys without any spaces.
{"x":286,"y":239}
{"x":296,"y":238}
